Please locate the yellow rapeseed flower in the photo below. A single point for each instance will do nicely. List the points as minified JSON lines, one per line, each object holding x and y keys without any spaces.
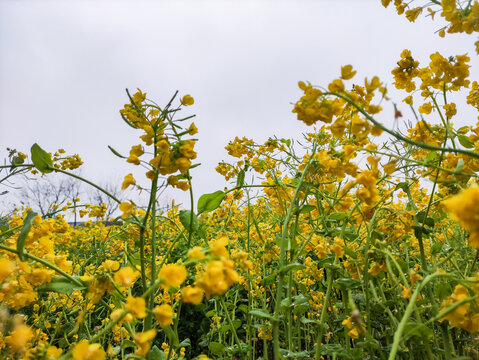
{"x":187,"y":100}
{"x":136,"y":306}
{"x":192,"y":295}
{"x":85,"y":351}
{"x":163,"y":314}
{"x":172,"y":275}
{"x":127,"y":181}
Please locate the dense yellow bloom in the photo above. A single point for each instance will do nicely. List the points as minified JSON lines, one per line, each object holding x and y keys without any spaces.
{"x":85,"y":351}
{"x":192,"y":294}
{"x":464,"y":208}
{"x":196,"y":253}
{"x":110,"y":265}
{"x":6,"y":268}
{"x":218,"y":277}
{"x":127,"y":209}
{"x":19,"y":339}
{"x":163,"y":314}
{"x":336,"y":86}
{"x":218,"y":247}
{"x":126,"y":276}
{"x":143,"y":340}
{"x":136,"y":306}
{"x":172,"y":275}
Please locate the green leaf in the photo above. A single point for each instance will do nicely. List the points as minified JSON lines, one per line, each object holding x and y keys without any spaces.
{"x":287,"y":142}
{"x":17,"y":160}
{"x":464,"y":141}
{"x":347,"y":283}
{"x":227,"y":327}
{"x":431,"y":156}
{"x":306,"y":209}
{"x":216,"y":348}
{"x":436,"y":248}
{"x":209,"y":202}
{"x":300,"y":300}
{"x":415,"y":329}
{"x":155,"y":354}
{"x":338,"y":216}
{"x":185,"y":219}
{"x":442,"y":290}
{"x":61,"y":285}
{"x":426,"y":220}
{"x":334,"y":349}
{"x":268,"y":280}
{"x":291,"y":267}
{"x":294,"y":354}
{"x":261,"y":314}
{"x":460,"y":164}
{"x":308,"y":321}
{"x":240,"y":179}
{"x":27,"y":224}
{"x":170,"y":334}
{"x":116,"y":152}
{"x":185,"y":343}
{"x":402,"y":185}
{"x":350,"y":252}
{"x":127,"y":343}
{"x":41,"y":159}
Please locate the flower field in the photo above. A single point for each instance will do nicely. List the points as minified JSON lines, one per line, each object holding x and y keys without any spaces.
{"x":359,"y":241}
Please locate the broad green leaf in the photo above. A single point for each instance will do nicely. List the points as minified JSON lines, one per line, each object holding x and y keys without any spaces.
{"x":338,"y":216}
{"x":209,"y":202}
{"x":155,"y":354}
{"x":185,"y":343}
{"x":240,"y":179}
{"x":347,"y":283}
{"x":287,"y":354}
{"x":402,"y":185}
{"x":350,"y":252}
{"x":308,"y":321}
{"x":306,"y":209}
{"x":334,"y":349}
{"x":287,"y":142}
{"x":216,"y":348}
{"x":41,"y":159}
{"x":61,"y":285}
{"x":436,"y":248}
{"x":291,"y":267}
{"x":170,"y":334}
{"x":27,"y":224}
{"x":268,"y":280}
{"x":464,"y":141}
{"x":459,"y":166}
{"x":127,"y":343}
{"x":17,"y":160}
{"x":185,"y":219}
{"x":227,"y":327}
{"x":431,"y":156}
{"x":415,"y":329}
{"x":261,"y":314}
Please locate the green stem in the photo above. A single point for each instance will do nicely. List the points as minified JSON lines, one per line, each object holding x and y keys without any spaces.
{"x":233,"y":330}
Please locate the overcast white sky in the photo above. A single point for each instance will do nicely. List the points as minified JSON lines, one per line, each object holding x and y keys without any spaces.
{"x":64,"y":66}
